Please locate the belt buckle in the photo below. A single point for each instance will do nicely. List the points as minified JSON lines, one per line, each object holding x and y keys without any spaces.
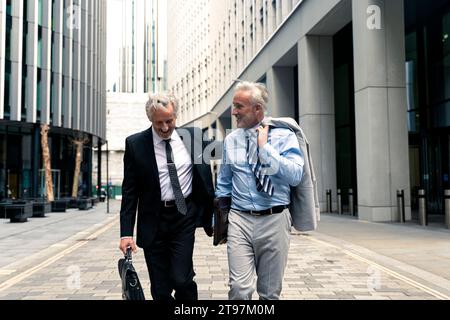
{"x":168,"y":206}
{"x":254,"y":213}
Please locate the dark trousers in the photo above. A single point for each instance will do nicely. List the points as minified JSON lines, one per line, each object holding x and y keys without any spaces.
{"x":169,"y":259}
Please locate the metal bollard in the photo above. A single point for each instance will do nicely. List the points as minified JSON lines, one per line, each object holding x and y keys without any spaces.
{"x":401,"y":205}
{"x":351,"y":205}
{"x":329,"y":203}
{"x":422,"y":208}
{"x":339,"y":201}
{"x":447,"y":208}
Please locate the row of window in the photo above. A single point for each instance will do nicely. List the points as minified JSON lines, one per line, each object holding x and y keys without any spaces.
{"x":229,"y":52}
{"x":26,"y":85}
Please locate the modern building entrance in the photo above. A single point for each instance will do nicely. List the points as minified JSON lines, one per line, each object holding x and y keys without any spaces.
{"x":428,"y":91}
{"x":344,"y":93}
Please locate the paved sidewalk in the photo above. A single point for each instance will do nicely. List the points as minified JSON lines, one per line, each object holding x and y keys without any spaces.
{"x":424,"y":247}
{"x":83,"y":266}
{"x":420,"y":253}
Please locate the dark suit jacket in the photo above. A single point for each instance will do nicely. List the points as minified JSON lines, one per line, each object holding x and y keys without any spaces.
{"x":141,"y":187}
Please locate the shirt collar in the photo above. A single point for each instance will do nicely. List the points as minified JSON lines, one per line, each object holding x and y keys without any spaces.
{"x":257,"y":126}
{"x":157,"y":139}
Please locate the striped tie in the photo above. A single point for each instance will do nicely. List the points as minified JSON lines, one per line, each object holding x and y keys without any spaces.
{"x":180,"y":202}
{"x":263,"y":182}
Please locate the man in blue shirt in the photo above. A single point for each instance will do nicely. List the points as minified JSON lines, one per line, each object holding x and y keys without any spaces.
{"x":259,"y":168}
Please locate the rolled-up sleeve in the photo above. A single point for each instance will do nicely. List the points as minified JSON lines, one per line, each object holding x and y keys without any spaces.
{"x":287,"y":163}
{"x":224,"y":180}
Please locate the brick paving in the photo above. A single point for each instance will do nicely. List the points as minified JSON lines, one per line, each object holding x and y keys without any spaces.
{"x":315,"y":270}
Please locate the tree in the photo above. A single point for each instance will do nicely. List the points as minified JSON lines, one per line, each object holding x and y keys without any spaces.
{"x":47,"y":162}
{"x":79,"y":143}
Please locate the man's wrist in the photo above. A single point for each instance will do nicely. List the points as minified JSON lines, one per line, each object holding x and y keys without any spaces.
{"x":123,"y":238}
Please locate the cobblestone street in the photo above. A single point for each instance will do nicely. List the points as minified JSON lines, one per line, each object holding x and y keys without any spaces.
{"x":74,"y":256}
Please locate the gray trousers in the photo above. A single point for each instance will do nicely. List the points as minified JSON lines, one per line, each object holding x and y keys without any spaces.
{"x":257,"y":254}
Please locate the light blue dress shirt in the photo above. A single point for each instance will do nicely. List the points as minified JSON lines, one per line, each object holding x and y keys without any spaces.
{"x":281,"y":153}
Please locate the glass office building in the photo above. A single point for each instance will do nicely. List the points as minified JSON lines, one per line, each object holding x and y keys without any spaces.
{"x":428,"y":97}
{"x":52,"y":71}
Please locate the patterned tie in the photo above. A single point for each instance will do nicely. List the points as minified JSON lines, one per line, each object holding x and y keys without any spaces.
{"x":179,"y":197}
{"x":263,"y":182}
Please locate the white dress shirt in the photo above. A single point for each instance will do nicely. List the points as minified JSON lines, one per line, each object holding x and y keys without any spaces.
{"x":182,"y":161}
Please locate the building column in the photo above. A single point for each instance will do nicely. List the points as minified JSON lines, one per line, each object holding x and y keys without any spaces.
{"x":316,"y":103}
{"x":139,"y":50}
{"x":84,"y":66}
{"x":36,"y":147}
{"x":280,"y":83}
{"x":76,"y":72}
{"x":279,"y":13}
{"x":31,"y":61}
{"x":96,"y":68}
{"x":271,"y":19}
{"x":90,"y":66}
{"x":380,"y":108}
{"x":16,"y":60}
{"x":102,"y":55}
{"x":89,"y":166}
{"x":248,"y":18}
{"x":2,"y":55}
{"x":57,"y":62}
{"x":286,"y":8}
{"x":99,"y":167}
{"x":67,"y":65}
{"x":46,"y":67}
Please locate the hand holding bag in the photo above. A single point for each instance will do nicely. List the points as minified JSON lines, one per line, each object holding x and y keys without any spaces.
{"x":221,"y":210}
{"x":131,"y":286}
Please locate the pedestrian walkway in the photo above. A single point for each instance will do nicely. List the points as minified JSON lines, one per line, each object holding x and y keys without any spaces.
{"x":82,"y":265}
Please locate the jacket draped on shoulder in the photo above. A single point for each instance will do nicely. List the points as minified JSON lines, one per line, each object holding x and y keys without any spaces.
{"x":304,"y":207}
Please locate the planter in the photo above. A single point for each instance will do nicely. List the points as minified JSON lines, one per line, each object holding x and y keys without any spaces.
{"x":59,"y":206}
{"x":3,"y":208}
{"x":71,"y":203}
{"x":84,"y":204}
{"x":40,"y":208}
{"x":19,"y":212}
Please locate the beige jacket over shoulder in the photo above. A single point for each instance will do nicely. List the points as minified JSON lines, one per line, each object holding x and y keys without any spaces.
{"x":304,"y":208}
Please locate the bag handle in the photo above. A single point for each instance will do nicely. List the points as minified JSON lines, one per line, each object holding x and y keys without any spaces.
{"x":128,"y":255}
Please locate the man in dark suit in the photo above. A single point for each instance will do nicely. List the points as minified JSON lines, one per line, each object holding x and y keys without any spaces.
{"x":168,"y":181}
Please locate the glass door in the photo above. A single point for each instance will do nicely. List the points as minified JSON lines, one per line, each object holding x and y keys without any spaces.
{"x":56,"y":178}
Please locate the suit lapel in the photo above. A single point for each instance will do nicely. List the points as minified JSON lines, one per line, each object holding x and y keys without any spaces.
{"x":150,"y":154}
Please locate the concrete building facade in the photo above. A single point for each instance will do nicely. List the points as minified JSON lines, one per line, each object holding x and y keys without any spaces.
{"x":208,"y":48}
{"x":137,"y":66}
{"x":125,"y":116}
{"x":367,"y":80}
{"x":52,"y":71}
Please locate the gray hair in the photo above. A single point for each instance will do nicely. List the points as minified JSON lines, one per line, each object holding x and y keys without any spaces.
{"x":258,"y":91}
{"x":160,"y":101}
